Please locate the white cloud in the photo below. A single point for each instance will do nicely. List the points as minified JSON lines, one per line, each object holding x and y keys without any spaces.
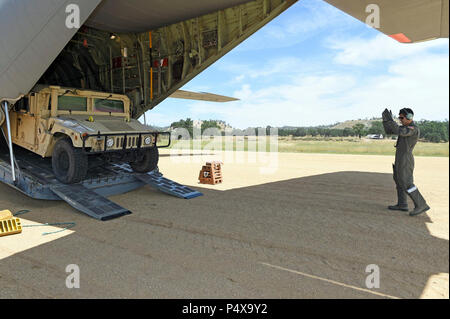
{"x":362,"y":52}
{"x":282,"y":69}
{"x":244,"y":93}
{"x":239,"y":78}
{"x":418,"y":80}
{"x":302,"y":21}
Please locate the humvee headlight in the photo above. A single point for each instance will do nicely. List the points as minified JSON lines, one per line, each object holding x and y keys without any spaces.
{"x":147,"y":140}
{"x":110,"y":142}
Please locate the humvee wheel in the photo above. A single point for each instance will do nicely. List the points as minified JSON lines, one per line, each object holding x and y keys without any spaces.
{"x":69,"y":164}
{"x":148,"y":163}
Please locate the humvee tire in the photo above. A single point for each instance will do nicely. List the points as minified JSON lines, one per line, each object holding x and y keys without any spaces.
{"x":148,"y":163}
{"x":69,"y":163}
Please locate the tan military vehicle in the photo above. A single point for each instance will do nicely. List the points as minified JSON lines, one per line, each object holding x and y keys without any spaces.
{"x":76,"y":127}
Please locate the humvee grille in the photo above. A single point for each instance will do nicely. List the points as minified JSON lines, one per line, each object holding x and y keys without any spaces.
{"x":125,"y":141}
{"x":119,"y":142}
{"x":132,"y":141}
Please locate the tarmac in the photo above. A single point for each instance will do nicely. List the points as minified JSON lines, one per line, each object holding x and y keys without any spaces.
{"x":279,"y":226}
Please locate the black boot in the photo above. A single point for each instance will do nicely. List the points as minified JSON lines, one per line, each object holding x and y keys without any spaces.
{"x":420,"y":205}
{"x":402,"y":203}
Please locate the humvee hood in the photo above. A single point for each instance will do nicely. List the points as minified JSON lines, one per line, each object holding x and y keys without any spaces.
{"x":106,"y":124}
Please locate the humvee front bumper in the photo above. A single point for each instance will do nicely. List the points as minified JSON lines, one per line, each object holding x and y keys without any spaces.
{"x":104,"y":143}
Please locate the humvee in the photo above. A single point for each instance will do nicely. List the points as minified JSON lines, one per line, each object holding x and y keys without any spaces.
{"x":77,"y":128}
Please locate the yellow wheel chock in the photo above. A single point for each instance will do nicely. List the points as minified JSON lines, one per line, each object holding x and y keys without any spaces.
{"x":9,"y":225}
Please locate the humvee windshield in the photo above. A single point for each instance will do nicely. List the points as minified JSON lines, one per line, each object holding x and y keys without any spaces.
{"x":113,"y":106}
{"x":72,"y":103}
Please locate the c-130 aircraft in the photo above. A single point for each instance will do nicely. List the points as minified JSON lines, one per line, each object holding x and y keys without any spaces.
{"x":148,"y":49}
{"x":75,"y":75}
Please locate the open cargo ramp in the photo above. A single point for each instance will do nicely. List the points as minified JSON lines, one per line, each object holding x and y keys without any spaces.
{"x":35,"y":178}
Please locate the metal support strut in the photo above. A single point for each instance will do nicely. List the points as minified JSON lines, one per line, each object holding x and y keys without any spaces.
{"x":8,"y":128}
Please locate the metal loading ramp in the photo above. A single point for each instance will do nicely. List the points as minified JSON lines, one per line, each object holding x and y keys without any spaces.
{"x":97,"y":206}
{"x":35,"y":179}
{"x":89,"y":202}
{"x":156,"y":180}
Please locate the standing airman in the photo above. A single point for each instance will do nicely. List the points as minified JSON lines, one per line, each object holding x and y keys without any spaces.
{"x":408,"y":134}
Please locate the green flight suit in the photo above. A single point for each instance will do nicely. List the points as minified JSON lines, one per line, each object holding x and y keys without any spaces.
{"x":404,"y":164}
{"x":404,"y":159}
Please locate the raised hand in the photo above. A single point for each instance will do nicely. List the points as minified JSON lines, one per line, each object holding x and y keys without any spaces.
{"x":387,"y":115}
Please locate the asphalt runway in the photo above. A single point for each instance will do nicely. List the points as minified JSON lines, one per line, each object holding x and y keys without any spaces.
{"x":308,"y":229}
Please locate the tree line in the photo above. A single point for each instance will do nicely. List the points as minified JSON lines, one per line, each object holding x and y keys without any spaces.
{"x":431,"y":131}
{"x":188,"y":124}
{"x":359,"y":130}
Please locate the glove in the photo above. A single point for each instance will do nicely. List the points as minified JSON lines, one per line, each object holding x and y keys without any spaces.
{"x":387,"y":115}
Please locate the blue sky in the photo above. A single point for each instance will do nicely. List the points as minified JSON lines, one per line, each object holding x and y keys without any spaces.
{"x":316,"y":65}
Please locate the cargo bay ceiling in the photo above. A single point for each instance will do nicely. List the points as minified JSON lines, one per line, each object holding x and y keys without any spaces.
{"x":145,"y":15}
{"x":148,"y":49}
{"x":149,"y":54}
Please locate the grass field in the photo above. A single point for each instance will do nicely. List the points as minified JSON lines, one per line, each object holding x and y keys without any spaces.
{"x":311,"y":145}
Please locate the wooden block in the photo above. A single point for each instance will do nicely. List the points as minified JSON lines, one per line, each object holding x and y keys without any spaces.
{"x":211,"y":173}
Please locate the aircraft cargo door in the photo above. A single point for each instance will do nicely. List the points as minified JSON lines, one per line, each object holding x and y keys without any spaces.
{"x":32,"y":34}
